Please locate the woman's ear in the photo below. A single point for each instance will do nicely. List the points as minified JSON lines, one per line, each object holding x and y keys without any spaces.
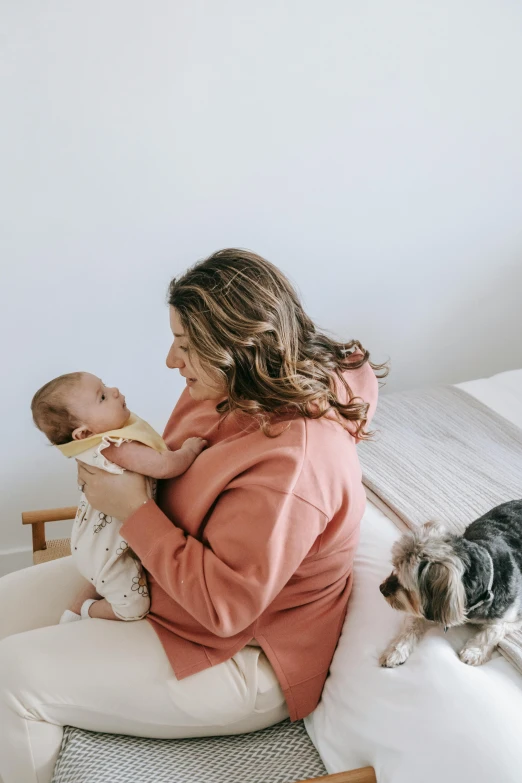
{"x":80,"y":433}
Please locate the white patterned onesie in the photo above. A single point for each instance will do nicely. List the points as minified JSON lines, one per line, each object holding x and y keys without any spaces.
{"x":100,"y":553}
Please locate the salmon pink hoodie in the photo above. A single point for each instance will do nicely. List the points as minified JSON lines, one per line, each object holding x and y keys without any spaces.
{"x":255,"y":541}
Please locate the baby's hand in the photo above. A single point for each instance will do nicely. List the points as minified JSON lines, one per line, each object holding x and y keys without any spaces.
{"x":194,"y":445}
{"x":177,"y":462}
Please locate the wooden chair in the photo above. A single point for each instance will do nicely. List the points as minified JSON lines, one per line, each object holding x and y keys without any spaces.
{"x":44,"y":550}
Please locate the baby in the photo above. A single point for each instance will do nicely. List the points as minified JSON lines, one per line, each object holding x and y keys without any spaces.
{"x":82,"y":417}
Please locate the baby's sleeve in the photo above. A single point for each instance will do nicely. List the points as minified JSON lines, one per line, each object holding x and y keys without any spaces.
{"x":94,"y":456}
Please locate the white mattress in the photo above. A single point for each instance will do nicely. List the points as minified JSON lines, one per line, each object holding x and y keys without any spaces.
{"x":433,"y":720}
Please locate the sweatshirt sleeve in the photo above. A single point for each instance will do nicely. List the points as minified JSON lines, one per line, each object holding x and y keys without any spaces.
{"x":255,"y":539}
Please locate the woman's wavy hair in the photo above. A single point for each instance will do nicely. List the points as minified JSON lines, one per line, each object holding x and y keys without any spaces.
{"x":246,"y":324}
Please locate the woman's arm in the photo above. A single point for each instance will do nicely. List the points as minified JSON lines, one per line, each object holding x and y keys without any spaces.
{"x":145,"y":460}
{"x":256,"y":539}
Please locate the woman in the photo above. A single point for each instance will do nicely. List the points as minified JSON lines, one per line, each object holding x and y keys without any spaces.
{"x":249,"y":554}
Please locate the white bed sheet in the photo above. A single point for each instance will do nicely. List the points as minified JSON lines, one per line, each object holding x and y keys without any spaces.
{"x":433,"y":720}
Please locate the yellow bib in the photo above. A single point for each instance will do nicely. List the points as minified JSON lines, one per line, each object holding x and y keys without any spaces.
{"x":135,"y":429}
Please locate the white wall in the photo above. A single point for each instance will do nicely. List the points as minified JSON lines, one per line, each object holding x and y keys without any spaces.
{"x":372,"y":150}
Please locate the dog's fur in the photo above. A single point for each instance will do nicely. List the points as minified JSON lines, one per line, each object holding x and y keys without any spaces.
{"x":443,"y":578}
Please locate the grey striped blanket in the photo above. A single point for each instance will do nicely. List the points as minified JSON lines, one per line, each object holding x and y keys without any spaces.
{"x":439,"y":453}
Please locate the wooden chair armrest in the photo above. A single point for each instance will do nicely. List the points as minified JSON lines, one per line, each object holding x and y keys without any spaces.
{"x":362,"y":775}
{"x":38,"y":519}
{"x":48,"y":515}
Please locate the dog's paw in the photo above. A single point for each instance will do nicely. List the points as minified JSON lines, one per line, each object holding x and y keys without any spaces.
{"x":474,"y":656}
{"x":394,"y":656}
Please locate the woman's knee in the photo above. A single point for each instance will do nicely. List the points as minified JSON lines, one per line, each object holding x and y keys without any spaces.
{"x":33,"y":656}
{"x":9,"y":584}
{"x":30,"y":670}
{"x":37,"y":596}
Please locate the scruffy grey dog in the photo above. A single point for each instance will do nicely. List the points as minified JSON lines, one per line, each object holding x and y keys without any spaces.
{"x":451,"y":580}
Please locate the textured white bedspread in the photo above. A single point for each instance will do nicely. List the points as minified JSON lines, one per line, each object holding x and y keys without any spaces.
{"x":433,"y":720}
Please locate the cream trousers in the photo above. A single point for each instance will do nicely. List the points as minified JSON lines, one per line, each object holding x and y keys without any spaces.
{"x":108,"y":676}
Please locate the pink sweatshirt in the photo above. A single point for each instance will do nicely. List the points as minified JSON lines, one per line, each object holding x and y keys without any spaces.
{"x":255,"y":541}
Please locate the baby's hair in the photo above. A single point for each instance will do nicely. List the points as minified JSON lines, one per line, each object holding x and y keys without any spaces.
{"x":50,"y":410}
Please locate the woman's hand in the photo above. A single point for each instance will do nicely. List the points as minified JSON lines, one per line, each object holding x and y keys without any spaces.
{"x":117,"y":496}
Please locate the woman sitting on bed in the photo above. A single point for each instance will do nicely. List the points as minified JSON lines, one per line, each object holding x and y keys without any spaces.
{"x":248,"y":554}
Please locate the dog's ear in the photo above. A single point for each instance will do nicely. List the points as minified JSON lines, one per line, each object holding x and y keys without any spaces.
{"x":417,"y":545}
{"x":441,"y":591}
{"x":434,"y":526}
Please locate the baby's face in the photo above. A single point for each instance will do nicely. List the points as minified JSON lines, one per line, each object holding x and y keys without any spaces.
{"x":99,"y":408}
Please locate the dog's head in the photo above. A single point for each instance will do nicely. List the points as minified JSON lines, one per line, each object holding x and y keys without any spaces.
{"x":427,"y":577}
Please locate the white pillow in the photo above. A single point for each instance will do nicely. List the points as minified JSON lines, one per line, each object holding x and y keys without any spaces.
{"x":432,"y":720}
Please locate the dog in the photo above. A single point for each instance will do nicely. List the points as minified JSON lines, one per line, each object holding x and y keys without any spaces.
{"x":450,"y":580}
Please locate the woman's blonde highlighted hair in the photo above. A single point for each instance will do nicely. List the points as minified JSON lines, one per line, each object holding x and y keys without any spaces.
{"x":246,"y":324}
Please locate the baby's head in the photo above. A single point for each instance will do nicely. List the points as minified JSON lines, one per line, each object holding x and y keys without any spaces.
{"x":77,"y":405}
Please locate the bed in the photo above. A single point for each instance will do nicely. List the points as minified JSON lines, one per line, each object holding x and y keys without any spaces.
{"x":433,"y":719}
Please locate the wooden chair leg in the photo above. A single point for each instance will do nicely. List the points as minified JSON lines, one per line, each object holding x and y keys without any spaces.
{"x":38,"y":531}
{"x":362,"y":775}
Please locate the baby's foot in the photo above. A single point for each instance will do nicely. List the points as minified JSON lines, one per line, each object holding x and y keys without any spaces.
{"x":69,"y":617}
{"x":194,"y":445}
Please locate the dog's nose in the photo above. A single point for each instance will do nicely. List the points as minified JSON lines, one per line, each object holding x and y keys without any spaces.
{"x":389,"y":586}
{"x":385,"y":589}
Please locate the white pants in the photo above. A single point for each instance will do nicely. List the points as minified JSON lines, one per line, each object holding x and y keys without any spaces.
{"x":108,"y":676}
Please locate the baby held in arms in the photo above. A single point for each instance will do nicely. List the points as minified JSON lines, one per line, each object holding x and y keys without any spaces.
{"x":82,"y":417}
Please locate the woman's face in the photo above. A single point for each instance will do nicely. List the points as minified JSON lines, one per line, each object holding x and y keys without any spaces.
{"x":183,"y":357}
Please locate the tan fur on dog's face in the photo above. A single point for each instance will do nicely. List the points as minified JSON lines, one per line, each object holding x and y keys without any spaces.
{"x":399,"y":597}
{"x":427,"y":577}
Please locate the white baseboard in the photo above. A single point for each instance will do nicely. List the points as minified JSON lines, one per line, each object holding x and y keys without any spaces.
{"x":15,"y":559}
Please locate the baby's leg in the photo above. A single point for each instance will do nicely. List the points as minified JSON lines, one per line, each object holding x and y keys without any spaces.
{"x":123,"y":584}
{"x":88,"y":591}
{"x":103,"y":610}
{"x":72,"y":614}
{"x":103,"y":557}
